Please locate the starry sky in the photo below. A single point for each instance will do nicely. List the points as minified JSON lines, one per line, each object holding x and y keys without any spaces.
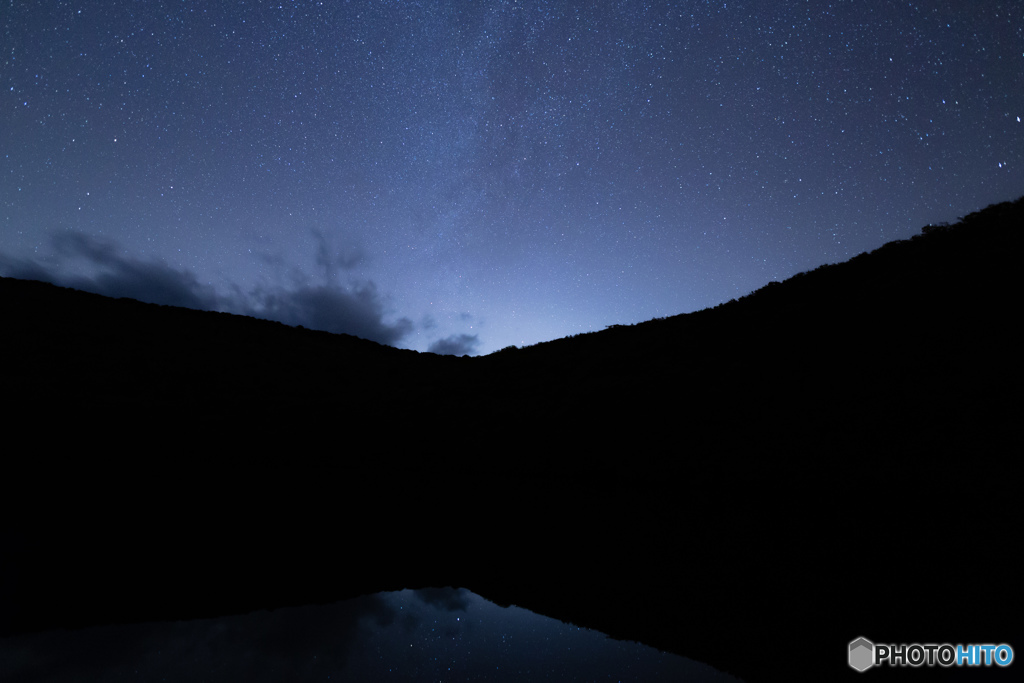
{"x":435,"y":634}
{"x":465,"y":176}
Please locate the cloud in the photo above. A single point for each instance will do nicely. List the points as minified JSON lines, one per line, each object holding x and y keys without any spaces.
{"x":24,"y":269}
{"x":455,"y":345}
{"x":113,"y":275}
{"x":357,"y":309}
{"x":120,"y":276}
{"x":331,"y":262}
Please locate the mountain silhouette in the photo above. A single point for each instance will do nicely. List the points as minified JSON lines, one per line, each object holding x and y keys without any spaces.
{"x":752,"y":486}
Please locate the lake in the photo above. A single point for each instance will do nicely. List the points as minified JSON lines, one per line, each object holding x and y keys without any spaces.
{"x":425,"y":635}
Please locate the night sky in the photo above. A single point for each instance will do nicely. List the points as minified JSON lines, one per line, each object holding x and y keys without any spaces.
{"x":427,"y":635}
{"x":465,"y":176}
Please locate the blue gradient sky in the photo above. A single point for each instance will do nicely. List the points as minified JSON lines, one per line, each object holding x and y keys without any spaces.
{"x":466,"y":176}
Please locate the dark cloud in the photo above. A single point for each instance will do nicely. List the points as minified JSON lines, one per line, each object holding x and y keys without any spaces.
{"x":120,"y":276}
{"x":330,"y":261}
{"x":357,"y":310}
{"x":24,"y":269}
{"x":115,"y":275}
{"x":455,"y":345}
{"x":272,"y":260}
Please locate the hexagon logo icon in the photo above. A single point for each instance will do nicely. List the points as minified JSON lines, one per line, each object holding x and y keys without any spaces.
{"x":862,"y":654}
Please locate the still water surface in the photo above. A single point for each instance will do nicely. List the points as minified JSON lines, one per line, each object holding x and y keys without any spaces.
{"x":427,"y":635}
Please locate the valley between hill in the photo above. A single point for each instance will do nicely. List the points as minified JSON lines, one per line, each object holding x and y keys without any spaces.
{"x":752,"y":486}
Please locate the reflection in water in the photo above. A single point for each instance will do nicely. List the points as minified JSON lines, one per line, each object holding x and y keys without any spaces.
{"x":426,"y":635}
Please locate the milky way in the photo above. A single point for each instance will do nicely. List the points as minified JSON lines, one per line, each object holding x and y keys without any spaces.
{"x":470,"y":175}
